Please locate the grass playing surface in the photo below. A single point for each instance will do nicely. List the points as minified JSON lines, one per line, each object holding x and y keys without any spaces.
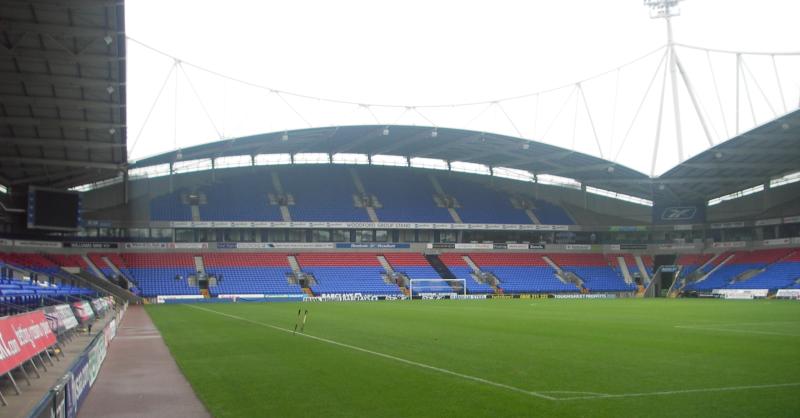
{"x":498,"y":358}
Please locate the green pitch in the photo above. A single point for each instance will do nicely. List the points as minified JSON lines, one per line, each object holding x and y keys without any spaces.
{"x":494,"y":358}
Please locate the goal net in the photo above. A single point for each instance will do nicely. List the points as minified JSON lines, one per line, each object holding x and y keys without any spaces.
{"x":437,"y":287}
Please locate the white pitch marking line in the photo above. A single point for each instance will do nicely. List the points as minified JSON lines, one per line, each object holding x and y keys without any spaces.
{"x":388,"y":356}
{"x":682,"y":391}
{"x":745,"y":331}
{"x":496,"y":384}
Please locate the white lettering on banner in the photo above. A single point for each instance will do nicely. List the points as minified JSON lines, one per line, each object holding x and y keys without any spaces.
{"x":517,"y":246}
{"x":772,"y":221}
{"x":363,"y":225}
{"x":38,"y":244}
{"x":791,"y":219}
{"x":189,"y":245}
{"x":303,"y":245}
{"x":474,"y":246}
{"x":613,"y":247}
{"x":788,"y":293}
{"x":6,"y":242}
{"x":722,"y":225}
{"x":585,"y":296}
{"x":731,"y":244}
{"x":677,"y":246}
{"x":741,"y":293}
{"x":163,"y":298}
{"x":682,"y":227}
{"x":341,"y":297}
{"x":578,"y":247}
{"x":777,"y":241}
{"x":134,"y":245}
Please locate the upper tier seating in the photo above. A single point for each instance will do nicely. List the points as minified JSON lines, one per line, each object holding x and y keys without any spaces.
{"x":480,"y":204}
{"x":250,"y":273}
{"x":323,"y":194}
{"x":406,"y":196}
{"x":550,"y":214}
{"x":170,"y":207}
{"x":242,"y":200}
{"x":346,"y":273}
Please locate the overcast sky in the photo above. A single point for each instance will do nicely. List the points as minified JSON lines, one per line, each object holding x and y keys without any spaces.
{"x":417,"y":53}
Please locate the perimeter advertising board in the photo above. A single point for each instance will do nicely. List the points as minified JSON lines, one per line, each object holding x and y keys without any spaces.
{"x":22,"y":337}
{"x":61,"y":318}
{"x":83,"y":311}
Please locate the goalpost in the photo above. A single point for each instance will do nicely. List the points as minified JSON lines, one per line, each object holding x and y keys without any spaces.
{"x":437,"y":287}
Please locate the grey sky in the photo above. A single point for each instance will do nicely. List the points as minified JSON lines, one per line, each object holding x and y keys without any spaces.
{"x":442,"y":52}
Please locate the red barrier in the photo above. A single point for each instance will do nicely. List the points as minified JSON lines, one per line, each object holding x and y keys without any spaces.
{"x":22,"y":337}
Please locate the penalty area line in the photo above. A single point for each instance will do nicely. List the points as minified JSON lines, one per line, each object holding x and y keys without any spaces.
{"x":387,"y":356}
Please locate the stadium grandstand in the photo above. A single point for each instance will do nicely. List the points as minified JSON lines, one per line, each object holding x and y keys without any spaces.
{"x":231,"y":277}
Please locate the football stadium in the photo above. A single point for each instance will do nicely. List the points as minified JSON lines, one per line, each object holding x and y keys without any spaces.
{"x":180,"y":239}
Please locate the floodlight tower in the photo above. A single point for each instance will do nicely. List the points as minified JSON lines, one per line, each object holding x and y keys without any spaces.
{"x":667,"y":9}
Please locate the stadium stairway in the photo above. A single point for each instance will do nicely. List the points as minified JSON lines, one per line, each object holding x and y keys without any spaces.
{"x":438,"y":188}
{"x":373,"y":216}
{"x":565,"y":276}
{"x":724,"y":261}
{"x":93,"y":268}
{"x":642,"y":269}
{"x":107,"y":287}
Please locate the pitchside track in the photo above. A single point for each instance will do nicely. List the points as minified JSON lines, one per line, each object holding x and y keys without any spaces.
{"x":550,"y":358}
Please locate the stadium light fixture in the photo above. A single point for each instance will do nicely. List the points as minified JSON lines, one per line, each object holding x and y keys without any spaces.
{"x":386,"y":131}
{"x":110,"y":89}
{"x":108,"y":39}
{"x":285,"y":136}
{"x":434,"y":133}
{"x":112,"y":131}
{"x":663,"y":8}
{"x":718,"y":155}
{"x":610,"y":169}
{"x":526,"y":146}
{"x":661,"y":187}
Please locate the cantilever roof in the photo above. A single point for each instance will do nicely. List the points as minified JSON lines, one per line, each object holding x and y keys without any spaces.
{"x":749,"y":159}
{"x":62,"y":91}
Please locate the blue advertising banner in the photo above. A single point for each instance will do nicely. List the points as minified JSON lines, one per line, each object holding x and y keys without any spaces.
{"x":78,"y":385}
{"x":679,"y":214}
